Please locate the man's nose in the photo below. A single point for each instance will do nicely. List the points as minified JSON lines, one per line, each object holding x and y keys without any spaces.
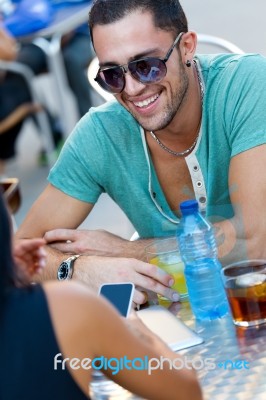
{"x":132,"y":86}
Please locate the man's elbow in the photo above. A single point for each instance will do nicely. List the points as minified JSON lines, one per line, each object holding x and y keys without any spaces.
{"x":256,"y":248}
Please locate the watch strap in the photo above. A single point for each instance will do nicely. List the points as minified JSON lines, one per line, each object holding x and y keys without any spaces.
{"x":70,"y":262}
{"x":72,"y":258}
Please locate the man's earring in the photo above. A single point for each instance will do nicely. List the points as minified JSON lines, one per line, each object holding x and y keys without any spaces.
{"x":188,"y":63}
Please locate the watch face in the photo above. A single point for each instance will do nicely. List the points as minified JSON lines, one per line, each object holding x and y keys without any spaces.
{"x":63,"y":271}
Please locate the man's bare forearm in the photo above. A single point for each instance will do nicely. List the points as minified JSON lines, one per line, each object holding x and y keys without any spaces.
{"x":96,"y":243}
{"x":117,"y":247}
{"x":54,"y":259}
{"x":128,"y":249}
{"x":235,"y":242}
{"x":136,"y":249}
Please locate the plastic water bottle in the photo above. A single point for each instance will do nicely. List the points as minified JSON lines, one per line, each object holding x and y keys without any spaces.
{"x":202,"y":269}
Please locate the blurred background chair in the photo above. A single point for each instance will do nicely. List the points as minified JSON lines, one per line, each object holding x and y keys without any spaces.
{"x":11,"y":191}
{"x":26,"y":110}
{"x":214,"y":42}
{"x":69,"y":20}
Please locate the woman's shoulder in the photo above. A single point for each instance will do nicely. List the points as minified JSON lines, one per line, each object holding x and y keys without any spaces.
{"x":76,"y":314}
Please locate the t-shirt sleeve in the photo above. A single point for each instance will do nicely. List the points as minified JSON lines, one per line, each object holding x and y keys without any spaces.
{"x":77,"y":172}
{"x":245,"y":105}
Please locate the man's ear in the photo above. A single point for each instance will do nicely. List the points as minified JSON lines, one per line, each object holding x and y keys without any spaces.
{"x":188,"y":46}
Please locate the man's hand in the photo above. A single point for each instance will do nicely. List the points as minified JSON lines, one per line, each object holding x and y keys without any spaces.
{"x":30,"y":255}
{"x":95,"y":270}
{"x":83,"y":241}
{"x":107,"y":258}
{"x":95,"y":242}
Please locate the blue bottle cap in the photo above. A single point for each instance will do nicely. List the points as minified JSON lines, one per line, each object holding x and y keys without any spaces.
{"x":189,"y":206}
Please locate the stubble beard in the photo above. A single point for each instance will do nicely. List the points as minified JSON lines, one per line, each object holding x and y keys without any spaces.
{"x":177,"y":96}
{"x":174,"y":103}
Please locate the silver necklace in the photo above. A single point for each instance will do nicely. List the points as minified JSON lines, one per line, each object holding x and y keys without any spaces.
{"x":174,"y":153}
{"x":183,"y":153}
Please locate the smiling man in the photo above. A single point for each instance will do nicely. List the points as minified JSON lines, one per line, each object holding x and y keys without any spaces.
{"x":181,"y":126}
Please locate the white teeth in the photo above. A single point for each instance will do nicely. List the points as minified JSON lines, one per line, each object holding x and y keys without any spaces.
{"x":146,"y":102}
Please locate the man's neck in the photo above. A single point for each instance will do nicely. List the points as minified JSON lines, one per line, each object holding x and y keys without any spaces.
{"x":184,"y":128}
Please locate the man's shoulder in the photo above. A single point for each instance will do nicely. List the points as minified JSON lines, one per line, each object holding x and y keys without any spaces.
{"x":110,"y":113}
{"x":228,"y":60}
{"x":109,"y":120}
{"x":108,"y":108}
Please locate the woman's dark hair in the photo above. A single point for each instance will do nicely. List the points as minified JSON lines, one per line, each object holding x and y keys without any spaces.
{"x":7,"y":265}
{"x":168,"y":15}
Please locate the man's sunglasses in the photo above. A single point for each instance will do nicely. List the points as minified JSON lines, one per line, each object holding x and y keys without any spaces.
{"x":146,"y":70}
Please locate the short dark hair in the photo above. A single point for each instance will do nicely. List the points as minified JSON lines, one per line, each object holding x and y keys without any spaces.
{"x":168,"y":15}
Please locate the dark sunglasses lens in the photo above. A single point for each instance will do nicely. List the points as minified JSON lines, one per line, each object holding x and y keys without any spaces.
{"x":148,"y":70}
{"x":112,"y":79}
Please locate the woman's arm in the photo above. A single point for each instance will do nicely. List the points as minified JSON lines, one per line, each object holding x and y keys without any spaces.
{"x":88,"y":327}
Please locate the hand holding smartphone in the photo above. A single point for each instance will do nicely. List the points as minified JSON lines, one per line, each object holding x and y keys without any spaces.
{"x":120,"y":295}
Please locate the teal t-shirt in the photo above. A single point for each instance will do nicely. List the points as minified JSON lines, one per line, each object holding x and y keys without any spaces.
{"x":107,"y":150}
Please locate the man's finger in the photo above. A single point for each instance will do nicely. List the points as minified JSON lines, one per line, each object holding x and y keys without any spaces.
{"x":64,"y":247}
{"x":156,"y":273}
{"x":140,"y":297}
{"x":58,"y":235}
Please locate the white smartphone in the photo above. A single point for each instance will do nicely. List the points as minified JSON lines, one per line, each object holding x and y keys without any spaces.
{"x":120,"y":295}
{"x":169,"y":328}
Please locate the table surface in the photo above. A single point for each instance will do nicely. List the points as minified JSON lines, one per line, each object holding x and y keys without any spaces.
{"x":238,"y":357}
{"x":66,"y":19}
{"x":230,"y":347}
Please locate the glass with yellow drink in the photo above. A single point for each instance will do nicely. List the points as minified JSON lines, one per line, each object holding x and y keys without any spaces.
{"x":165,"y":254}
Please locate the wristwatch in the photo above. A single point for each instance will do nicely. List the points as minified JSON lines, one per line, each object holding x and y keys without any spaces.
{"x":66,"y":268}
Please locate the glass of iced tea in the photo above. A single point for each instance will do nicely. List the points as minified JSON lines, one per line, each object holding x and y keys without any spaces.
{"x":165,"y":254}
{"x":245,"y":285}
